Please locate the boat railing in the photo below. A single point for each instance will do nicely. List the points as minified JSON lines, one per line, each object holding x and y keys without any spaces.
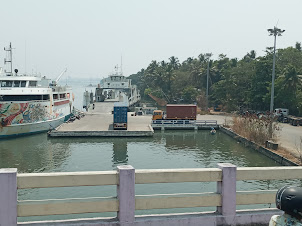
{"x":24,"y":101}
{"x":225,"y":197}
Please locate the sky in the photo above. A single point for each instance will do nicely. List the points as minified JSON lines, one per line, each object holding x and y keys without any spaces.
{"x":90,"y":37}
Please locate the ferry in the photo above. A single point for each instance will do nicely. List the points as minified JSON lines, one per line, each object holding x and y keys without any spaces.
{"x":31,"y":104}
{"x":116,"y":87}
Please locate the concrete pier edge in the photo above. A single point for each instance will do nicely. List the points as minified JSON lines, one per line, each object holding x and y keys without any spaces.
{"x":278,"y":158}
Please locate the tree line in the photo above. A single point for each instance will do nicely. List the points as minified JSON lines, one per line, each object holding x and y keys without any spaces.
{"x":233,"y":83}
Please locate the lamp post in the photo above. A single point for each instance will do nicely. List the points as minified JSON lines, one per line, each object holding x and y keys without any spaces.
{"x":208,"y":56}
{"x":275,"y":32}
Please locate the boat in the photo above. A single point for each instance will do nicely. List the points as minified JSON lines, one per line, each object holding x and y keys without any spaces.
{"x":31,"y":103}
{"x":117,"y":88}
{"x":213,"y":131}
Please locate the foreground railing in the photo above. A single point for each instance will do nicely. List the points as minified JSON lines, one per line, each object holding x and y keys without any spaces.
{"x":225,"y":198}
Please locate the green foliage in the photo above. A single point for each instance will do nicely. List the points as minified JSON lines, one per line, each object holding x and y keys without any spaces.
{"x":234,"y":83}
{"x":189,"y":94}
{"x":287,"y":88}
{"x":147,"y":91}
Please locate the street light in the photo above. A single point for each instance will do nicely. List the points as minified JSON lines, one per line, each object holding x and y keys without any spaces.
{"x":276,"y":32}
{"x":208,"y":56}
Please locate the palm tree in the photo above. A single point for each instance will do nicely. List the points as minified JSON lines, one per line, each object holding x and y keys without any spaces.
{"x":291,"y":78}
{"x":197,"y":73}
{"x":174,"y":62}
{"x":201,"y":57}
{"x":298,"y":46}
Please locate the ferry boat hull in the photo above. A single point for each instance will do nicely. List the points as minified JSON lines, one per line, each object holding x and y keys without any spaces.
{"x":26,"y":118}
{"x":31,"y":128}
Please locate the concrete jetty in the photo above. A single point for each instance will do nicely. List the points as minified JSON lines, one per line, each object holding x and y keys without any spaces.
{"x":98,"y":123}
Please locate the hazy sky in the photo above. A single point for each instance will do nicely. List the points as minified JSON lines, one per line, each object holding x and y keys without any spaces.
{"x":89,"y":37}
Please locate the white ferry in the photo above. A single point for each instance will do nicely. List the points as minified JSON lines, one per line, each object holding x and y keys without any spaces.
{"x":119,"y":88}
{"x":31,"y":104}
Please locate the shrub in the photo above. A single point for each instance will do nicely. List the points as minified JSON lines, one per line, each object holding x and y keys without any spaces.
{"x":256,"y":129}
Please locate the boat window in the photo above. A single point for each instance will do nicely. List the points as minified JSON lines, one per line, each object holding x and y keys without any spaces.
{"x":32,"y":83}
{"x":16,"y":83}
{"x":108,"y":84}
{"x":45,"y":97}
{"x":6,"y":83}
{"x":23,"y":83}
{"x":24,"y":97}
{"x":62,"y":95}
{"x":55,"y":96}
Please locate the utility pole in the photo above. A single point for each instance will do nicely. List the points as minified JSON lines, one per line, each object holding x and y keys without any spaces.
{"x":208,"y":56}
{"x":275,"y":32}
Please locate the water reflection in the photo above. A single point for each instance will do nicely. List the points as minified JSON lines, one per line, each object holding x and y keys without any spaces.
{"x":209,"y":149}
{"x":171,"y":149}
{"x":120,"y":155}
{"x":34,"y":153}
{"x":181,"y":140}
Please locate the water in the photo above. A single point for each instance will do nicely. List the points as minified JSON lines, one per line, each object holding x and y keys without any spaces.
{"x":169,"y":149}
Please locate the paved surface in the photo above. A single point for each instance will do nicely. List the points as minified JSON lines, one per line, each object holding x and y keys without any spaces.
{"x":101,"y":119}
{"x":290,"y":137}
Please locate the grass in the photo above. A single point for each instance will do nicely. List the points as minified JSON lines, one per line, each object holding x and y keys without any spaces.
{"x":261,"y":130}
{"x":255,"y":129}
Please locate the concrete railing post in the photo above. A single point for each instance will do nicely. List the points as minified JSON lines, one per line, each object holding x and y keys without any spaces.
{"x":8,"y":197}
{"x":227,"y":189}
{"x":126,"y":194}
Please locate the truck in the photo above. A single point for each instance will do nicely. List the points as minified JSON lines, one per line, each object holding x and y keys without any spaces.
{"x":281,"y":111}
{"x":176,"y":112}
{"x":282,"y":115}
{"x":120,"y":117}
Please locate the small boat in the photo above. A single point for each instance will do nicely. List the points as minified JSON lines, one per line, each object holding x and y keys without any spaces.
{"x":31,"y":104}
{"x":213,"y":131}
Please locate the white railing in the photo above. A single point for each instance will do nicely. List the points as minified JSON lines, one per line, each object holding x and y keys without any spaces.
{"x":225,"y":198}
{"x":207,"y":122}
{"x":185,"y":122}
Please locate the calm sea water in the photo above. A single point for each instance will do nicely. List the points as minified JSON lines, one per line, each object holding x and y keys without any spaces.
{"x":169,"y":149}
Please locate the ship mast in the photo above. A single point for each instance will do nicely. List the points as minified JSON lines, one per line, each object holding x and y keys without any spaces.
{"x":10,"y":60}
{"x":121,"y":65}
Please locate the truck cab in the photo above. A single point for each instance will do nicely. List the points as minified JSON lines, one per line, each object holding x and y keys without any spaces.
{"x":283,"y":111}
{"x":158,"y":115}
